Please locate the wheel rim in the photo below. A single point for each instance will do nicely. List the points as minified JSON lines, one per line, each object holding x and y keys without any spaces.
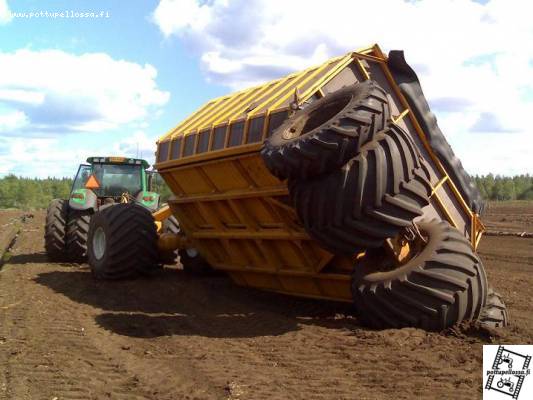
{"x":191,"y":252}
{"x":99,"y":243}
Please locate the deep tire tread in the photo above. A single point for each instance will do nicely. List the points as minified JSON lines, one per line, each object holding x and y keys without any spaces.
{"x":431,"y":291}
{"x":131,"y":242}
{"x":332,"y":144}
{"x":55,"y":230}
{"x":375,"y":195}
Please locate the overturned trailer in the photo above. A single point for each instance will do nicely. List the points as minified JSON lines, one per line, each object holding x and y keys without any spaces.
{"x":301,"y":186}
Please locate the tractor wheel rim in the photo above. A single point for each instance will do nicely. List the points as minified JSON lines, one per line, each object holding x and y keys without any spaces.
{"x":99,"y":243}
{"x":191,"y":252}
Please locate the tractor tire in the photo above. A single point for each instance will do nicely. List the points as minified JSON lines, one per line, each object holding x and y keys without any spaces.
{"x":122,"y":242}
{"x":440,"y":286}
{"x":327,"y":133}
{"x":193,"y":263}
{"x":77,"y":233}
{"x":55,"y":230}
{"x":494,"y":314}
{"x":170,"y":225}
{"x":374,"y":196}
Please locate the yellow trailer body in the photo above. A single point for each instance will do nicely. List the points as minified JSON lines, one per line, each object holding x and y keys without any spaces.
{"x":238,"y":215}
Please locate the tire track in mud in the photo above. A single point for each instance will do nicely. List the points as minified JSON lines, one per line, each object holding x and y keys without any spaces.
{"x":45,"y":352}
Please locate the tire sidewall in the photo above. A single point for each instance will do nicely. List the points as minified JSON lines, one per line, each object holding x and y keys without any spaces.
{"x":356,"y":93}
{"x":434,"y":234}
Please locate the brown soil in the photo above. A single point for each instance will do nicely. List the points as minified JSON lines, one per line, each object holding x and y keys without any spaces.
{"x":64,"y":335}
{"x":512,"y":216}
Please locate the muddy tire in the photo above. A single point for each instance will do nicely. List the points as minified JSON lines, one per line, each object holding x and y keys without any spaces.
{"x":326,"y":134}
{"x":55,"y":230}
{"x":442,"y":285}
{"x":494,"y":314}
{"x":193,"y":263}
{"x":77,"y":233}
{"x":374,"y":196}
{"x":122,"y":242}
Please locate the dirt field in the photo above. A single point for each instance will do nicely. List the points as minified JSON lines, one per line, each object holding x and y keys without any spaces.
{"x":64,"y":335}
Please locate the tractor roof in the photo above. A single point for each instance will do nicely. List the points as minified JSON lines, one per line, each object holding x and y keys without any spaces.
{"x":118,"y":160}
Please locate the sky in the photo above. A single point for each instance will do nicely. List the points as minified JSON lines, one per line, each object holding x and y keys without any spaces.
{"x":78,"y":86}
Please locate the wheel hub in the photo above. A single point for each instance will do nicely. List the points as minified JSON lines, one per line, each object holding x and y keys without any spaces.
{"x":99,"y":243}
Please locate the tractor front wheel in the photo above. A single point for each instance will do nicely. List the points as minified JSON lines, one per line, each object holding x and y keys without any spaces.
{"x":122,"y":242}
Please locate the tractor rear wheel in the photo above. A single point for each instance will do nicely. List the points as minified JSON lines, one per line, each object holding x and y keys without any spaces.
{"x":442,"y":284}
{"x":494,"y":314}
{"x":327,"y":133}
{"x":122,"y":242}
{"x":55,"y":230}
{"x":371,"y":198}
{"x":77,"y":232}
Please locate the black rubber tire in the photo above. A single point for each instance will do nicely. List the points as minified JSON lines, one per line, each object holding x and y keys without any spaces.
{"x":374,"y":196}
{"x":444,"y":284}
{"x":170,"y":225}
{"x":130,"y":242}
{"x":327,"y":133}
{"x":194,"y":265}
{"x":494,"y":314}
{"x":77,"y":233}
{"x":55,"y":230}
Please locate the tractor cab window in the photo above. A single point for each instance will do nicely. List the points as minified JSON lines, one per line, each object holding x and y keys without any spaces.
{"x":116,"y":179}
{"x":84,"y":172}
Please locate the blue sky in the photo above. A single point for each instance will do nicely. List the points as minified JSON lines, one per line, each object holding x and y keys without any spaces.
{"x":74,"y":87}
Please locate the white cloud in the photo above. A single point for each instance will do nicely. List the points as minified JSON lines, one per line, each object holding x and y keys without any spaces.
{"x":5,"y":13}
{"x":475,"y":61}
{"x":61,"y":92}
{"x":43,"y":157}
{"x":138,"y":145}
{"x":12,"y":121}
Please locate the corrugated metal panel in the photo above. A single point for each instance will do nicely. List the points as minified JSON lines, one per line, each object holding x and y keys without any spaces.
{"x":266,"y":98}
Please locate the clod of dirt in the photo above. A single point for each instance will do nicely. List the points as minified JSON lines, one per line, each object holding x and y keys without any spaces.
{"x":234,"y":390}
{"x":474,"y":330}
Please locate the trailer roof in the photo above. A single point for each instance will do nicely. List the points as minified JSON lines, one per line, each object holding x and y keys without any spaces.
{"x":262,"y":99}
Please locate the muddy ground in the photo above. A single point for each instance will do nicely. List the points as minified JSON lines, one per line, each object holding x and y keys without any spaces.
{"x":64,"y":335}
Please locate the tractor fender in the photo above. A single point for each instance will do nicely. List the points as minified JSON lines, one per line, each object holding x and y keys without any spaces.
{"x":150,"y":200}
{"x":83,"y":199}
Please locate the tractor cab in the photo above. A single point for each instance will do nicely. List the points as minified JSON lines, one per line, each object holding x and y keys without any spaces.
{"x":109,"y":180}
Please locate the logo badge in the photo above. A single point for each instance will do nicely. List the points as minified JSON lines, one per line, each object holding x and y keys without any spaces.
{"x":506,"y":372}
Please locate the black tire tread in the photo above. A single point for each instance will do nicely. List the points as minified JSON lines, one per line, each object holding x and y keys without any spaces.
{"x":441,"y":287}
{"x":55,"y":230}
{"x":374,"y":196}
{"x":494,"y":314}
{"x":132,"y":237}
{"x":329,"y":146}
{"x":77,"y":233}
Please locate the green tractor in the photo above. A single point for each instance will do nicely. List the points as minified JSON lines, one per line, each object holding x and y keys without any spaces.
{"x":99,"y":184}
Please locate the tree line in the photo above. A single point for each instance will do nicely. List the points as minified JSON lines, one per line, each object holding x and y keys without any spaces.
{"x":28,"y":193}
{"x":33,"y":193}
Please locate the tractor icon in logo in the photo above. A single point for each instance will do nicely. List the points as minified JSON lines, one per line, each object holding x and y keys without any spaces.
{"x":506,"y":358}
{"x":506,"y":383}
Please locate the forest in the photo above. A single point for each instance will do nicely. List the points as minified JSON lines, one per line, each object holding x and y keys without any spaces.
{"x":28,"y":193}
